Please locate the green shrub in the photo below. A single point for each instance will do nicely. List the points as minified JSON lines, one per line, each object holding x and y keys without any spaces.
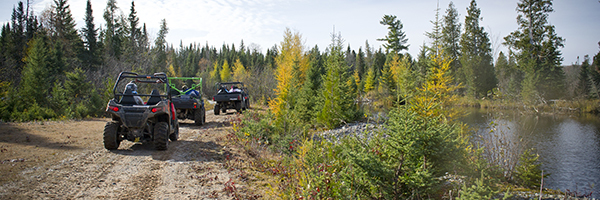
{"x":479,"y":190}
{"x":528,"y":172}
{"x":406,"y":159}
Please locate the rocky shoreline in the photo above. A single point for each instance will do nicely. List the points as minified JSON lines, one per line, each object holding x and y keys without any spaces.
{"x":366,"y":130}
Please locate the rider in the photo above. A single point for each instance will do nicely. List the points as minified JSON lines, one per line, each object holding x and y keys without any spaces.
{"x":234,"y":89}
{"x":191,"y":92}
{"x":131,"y":86}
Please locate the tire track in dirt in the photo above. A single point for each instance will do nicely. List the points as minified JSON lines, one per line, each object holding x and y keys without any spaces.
{"x":194,"y":167}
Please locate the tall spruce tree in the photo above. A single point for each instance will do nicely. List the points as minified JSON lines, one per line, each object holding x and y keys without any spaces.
{"x":90,"y":34}
{"x":584,"y":84}
{"x":65,"y":32}
{"x":160,"y":47}
{"x":135,"y":32}
{"x":536,"y":46}
{"x":337,"y":107}
{"x":396,"y":39}
{"x":476,"y":60}
{"x":451,"y":31}
{"x":111,"y":34}
{"x":436,"y":34}
{"x":595,"y":74}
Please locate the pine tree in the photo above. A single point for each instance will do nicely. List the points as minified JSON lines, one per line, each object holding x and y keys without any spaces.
{"x":337,"y":107}
{"x":160,"y":47}
{"x":436,"y":34}
{"x":595,"y":74}
{"x":308,"y":100}
{"x":64,"y":30}
{"x":90,"y":35}
{"x":396,"y":39}
{"x":584,"y":84}
{"x":112,"y":38}
{"x":451,"y":31}
{"x":476,"y":59}
{"x":536,"y":46}
{"x":135,"y":32}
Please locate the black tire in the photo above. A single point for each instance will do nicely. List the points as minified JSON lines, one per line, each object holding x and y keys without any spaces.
{"x":161,"y":139}
{"x":203,"y":115}
{"x":217,"y":109}
{"x":175,"y":135}
{"x":238,"y":106}
{"x":247,"y":103}
{"x":199,"y":116}
{"x":111,"y":140}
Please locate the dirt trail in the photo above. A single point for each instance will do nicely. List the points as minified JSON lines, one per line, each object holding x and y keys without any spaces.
{"x":67,"y":160}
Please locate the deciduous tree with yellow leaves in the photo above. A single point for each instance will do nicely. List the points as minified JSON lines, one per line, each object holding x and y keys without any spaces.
{"x":291,"y":60}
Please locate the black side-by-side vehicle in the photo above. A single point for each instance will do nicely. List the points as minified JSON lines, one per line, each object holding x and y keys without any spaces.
{"x":151,"y":121}
{"x":231,"y":95}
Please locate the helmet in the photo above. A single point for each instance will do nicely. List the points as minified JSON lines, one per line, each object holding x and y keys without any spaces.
{"x":184,"y":87}
{"x":131,"y":86}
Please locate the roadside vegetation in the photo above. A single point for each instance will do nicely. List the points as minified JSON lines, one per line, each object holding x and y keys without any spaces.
{"x":53,"y":71}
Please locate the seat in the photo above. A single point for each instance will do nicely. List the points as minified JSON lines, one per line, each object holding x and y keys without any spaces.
{"x":154,"y":97}
{"x":128,"y":98}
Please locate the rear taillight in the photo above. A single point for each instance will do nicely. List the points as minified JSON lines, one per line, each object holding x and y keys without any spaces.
{"x":195,"y":105}
{"x":113,"y":108}
{"x":239,"y":97}
{"x":156,"y":109}
{"x":213,"y":98}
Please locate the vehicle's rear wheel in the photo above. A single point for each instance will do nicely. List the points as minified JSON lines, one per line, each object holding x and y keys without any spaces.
{"x":111,"y":140}
{"x":175,"y":135}
{"x":161,"y":132}
{"x":238,"y":106}
{"x":199,"y":116}
{"x":217,"y":109}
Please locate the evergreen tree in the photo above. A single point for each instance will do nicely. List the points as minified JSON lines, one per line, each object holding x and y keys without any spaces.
{"x":478,"y":71}
{"x":396,"y":39}
{"x":451,"y":31}
{"x":595,"y":74}
{"x":584,"y":84}
{"x":112,"y":38}
{"x":360,"y":63}
{"x":64,"y":30}
{"x":536,"y":46}
{"x":308,"y":100}
{"x":160,"y":47}
{"x":338,"y":104}
{"x":135,"y":32}
{"x":436,"y":34}
{"x":90,"y":35}
{"x":44,"y":64}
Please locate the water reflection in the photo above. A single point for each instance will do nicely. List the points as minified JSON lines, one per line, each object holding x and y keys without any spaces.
{"x":569,"y":147}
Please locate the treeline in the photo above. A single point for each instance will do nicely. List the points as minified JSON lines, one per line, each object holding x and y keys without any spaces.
{"x":42,"y":55}
{"x":52,"y":70}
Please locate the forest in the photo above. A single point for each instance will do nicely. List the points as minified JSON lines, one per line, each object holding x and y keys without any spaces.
{"x":51,"y":70}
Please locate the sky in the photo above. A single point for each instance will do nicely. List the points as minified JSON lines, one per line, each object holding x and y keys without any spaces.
{"x":261,"y":23}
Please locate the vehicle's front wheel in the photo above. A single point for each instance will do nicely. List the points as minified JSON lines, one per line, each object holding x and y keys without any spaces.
{"x":161,"y":139}
{"x":217,"y":109}
{"x":111,"y":140}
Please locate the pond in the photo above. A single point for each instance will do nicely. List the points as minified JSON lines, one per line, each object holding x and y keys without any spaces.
{"x":568,"y":146}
